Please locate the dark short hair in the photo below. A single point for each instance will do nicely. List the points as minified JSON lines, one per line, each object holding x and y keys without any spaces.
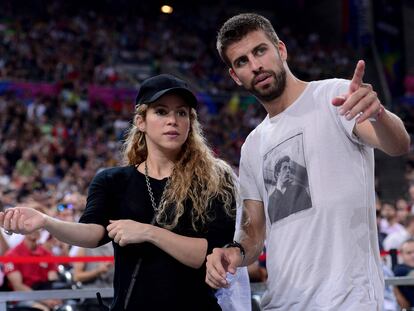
{"x":237,"y":27}
{"x":390,"y":203}
{"x":279,"y":163}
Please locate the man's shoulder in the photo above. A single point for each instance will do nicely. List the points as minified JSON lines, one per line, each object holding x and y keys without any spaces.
{"x":19,"y":250}
{"x":42,"y":251}
{"x":330,"y":87}
{"x":398,"y":235}
{"x":330,"y":82}
{"x":255,"y":134}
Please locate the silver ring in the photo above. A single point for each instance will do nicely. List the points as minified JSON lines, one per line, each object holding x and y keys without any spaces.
{"x":8,"y":232}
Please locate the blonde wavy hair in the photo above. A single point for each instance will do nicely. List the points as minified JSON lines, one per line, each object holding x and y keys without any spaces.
{"x":197,"y":175}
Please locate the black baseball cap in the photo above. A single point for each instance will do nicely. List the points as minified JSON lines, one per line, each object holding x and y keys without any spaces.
{"x":153,"y":88}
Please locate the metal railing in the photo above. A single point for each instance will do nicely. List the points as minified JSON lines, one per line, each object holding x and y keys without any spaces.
{"x":53,"y":294}
{"x":256,"y":288}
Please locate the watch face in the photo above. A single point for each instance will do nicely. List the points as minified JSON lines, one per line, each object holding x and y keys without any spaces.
{"x":238,"y":245}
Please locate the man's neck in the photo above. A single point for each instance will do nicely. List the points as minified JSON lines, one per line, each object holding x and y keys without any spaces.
{"x":392,"y":221}
{"x":30,"y":245}
{"x":294,"y":88}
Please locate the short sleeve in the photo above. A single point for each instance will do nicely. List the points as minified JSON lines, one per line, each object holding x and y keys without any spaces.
{"x":248,"y":185}
{"x":341,"y":87}
{"x":10,"y":267}
{"x":98,"y":203}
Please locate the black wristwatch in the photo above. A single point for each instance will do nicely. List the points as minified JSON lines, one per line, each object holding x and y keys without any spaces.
{"x":239,"y":246}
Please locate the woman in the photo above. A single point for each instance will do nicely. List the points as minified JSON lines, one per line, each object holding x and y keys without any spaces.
{"x":164,"y":211}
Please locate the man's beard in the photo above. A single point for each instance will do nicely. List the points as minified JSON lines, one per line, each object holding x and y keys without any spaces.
{"x":276,"y":88}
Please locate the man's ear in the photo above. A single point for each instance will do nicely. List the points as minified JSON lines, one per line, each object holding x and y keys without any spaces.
{"x":282,"y":50}
{"x":234,"y":76}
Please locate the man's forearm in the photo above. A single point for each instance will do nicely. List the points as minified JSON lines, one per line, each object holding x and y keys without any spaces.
{"x":253,"y":247}
{"x":253,"y":231}
{"x":21,"y":287}
{"x":392,"y":136}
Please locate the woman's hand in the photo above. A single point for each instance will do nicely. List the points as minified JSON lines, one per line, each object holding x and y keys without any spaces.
{"x":126,"y":231}
{"x":22,"y":220}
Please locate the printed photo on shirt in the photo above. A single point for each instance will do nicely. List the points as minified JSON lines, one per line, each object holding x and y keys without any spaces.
{"x":286,"y":179}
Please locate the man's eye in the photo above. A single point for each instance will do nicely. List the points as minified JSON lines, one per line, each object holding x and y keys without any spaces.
{"x":241,"y":62}
{"x":261,"y":51}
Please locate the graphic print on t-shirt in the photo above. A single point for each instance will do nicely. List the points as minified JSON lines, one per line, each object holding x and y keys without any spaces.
{"x":286,"y":179}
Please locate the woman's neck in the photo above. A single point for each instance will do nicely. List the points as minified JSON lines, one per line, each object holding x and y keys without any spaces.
{"x":159,"y":167}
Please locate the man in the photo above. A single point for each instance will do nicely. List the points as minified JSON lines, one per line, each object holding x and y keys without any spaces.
{"x":411,"y":197}
{"x":324,"y":257}
{"x":396,"y":239}
{"x":29,"y":276}
{"x":403,"y":210}
{"x":390,"y":224}
{"x":405,"y":294}
{"x":292,"y":196}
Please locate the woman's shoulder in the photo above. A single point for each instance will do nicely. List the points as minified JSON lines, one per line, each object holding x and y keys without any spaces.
{"x":115,"y":174}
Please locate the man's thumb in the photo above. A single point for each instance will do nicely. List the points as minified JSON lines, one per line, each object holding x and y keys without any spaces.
{"x":232,"y":268}
{"x":338,"y":100}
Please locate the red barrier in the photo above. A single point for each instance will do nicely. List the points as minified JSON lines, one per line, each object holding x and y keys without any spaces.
{"x":66,"y":259}
{"x":385,"y":253}
{"x":54,"y":259}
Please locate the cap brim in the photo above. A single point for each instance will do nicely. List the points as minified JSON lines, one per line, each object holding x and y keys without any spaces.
{"x":186,"y":94}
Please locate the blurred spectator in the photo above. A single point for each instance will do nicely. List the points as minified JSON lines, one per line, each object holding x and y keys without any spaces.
{"x":390,"y":301}
{"x":411,"y":195}
{"x":403,"y":210}
{"x":396,"y":239}
{"x":29,"y":276}
{"x":381,"y":235}
{"x":405,"y":294}
{"x":65,"y":212}
{"x":56,"y":247}
{"x":389,"y":224}
{"x":257,"y":273}
{"x":25,"y":166}
{"x":257,"y":270}
{"x":78,"y":203}
{"x":409,"y":82}
{"x":94,"y":274}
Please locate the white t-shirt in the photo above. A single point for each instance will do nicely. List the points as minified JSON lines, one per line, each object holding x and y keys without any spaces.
{"x":316,"y":180}
{"x":390,"y":229}
{"x":395,"y":240}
